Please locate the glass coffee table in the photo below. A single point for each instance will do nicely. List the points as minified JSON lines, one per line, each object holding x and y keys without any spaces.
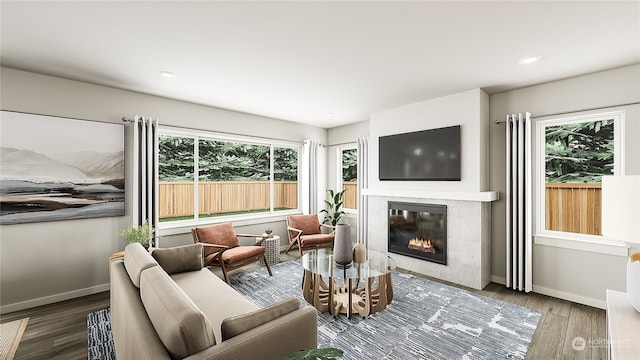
{"x":360,"y":288}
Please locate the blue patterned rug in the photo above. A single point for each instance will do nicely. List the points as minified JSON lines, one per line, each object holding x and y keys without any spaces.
{"x":426,"y":320}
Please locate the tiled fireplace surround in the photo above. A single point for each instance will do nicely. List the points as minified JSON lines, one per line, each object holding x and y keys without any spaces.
{"x":468,"y":238}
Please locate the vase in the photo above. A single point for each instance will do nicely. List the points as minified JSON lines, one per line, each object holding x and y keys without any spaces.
{"x":342,"y":247}
{"x":633,"y":283}
{"x":359,"y":253}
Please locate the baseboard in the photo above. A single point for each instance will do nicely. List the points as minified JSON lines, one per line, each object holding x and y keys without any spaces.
{"x":498,"y":279}
{"x":601,"y":304}
{"x":558,"y":294}
{"x":4,"y":309}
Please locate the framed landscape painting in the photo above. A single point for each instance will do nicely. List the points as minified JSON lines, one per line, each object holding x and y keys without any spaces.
{"x":54,"y":168}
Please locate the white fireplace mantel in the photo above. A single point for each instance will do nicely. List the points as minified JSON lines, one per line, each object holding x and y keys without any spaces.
{"x":468,"y":233}
{"x":481,"y":196}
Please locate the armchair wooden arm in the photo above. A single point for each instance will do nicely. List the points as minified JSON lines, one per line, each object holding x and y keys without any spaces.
{"x":259,"y":242}
{"x":217,"y":255}
{"x":225,"y":247}
{"x":330,"y":227}
{"x":289,"y":228}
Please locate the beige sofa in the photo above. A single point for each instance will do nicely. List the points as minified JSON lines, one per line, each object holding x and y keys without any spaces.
{"x":167,"y":306}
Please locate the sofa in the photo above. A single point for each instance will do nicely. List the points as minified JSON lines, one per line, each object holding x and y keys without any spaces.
{"x":166,"y":305}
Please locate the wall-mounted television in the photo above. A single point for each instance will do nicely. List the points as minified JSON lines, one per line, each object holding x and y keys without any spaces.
{"x":431,"y":155}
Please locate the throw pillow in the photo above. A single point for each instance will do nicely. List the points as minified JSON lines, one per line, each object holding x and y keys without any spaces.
{"x":179,"y":259}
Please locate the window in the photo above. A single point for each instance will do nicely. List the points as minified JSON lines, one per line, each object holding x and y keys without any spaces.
{"x":236,"y":177}
{"x":573,"y":155}
{"x":348,"y":166}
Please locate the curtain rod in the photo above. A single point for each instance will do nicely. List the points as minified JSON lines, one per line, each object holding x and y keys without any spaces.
{"x":575,"y":111}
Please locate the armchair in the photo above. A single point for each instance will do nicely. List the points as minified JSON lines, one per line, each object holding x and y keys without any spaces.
{"x":306,"y":232}
{"x":222,"y":248}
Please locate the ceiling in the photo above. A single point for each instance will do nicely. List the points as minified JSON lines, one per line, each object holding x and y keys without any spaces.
{"x":325,"y":63}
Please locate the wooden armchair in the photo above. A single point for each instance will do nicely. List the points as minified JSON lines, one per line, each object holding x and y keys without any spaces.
{"x":221,"y":247}
{"x":306,"y":232}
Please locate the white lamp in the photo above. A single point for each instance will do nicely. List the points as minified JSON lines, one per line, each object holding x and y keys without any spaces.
{"x":621,"y":221}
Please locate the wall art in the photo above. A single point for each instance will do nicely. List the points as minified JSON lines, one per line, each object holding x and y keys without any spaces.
{"x":54,"y":168}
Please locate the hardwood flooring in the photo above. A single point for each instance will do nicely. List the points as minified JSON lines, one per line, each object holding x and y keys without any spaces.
{"x":59,"y":331}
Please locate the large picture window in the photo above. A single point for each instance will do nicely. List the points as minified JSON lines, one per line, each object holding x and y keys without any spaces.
{"x":573,"y":155}
{"x":235,"y":177}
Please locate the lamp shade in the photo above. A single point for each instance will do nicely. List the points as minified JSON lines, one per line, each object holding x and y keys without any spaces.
{"x":621,"y":208}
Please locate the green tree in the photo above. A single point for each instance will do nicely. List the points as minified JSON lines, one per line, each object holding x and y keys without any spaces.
{"x":175,"y":158}
{"x":350,"y":165}
{"x":223,"y":160}
{"x":285,"y":166}
{"x":579,"y":153}
{"x":231,"y":161}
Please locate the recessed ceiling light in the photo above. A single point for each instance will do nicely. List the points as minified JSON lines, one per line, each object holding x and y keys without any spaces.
{"x":530,"y":60}
{"x":168,"y":74}
{"x":329,"y":114}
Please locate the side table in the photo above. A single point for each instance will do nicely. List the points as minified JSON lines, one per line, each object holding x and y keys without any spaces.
{"x":623,"y":327}
{"x":119,"y":254}
{"x":272,"y":249}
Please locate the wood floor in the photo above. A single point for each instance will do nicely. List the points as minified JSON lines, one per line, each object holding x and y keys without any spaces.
{"x":59,"y":331}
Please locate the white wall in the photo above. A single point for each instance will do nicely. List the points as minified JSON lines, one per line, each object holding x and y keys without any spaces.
{"x":46,"y":262}
{"x":468,"y":229}
{"x":572,"y":274}
{"x":468,"y":109}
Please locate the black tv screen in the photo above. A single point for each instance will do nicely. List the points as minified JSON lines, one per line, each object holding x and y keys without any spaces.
{"x":422,"y":155}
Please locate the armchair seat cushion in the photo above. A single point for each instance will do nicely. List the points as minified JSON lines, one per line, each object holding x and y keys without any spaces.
{"x":241,"y":253}
{"x":316,"y":239}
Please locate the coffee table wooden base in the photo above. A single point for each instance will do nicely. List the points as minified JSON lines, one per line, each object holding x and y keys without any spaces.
{"x":348,"y":299}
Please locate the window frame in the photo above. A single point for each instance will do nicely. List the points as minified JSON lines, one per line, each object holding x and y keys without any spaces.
{"x":197,"y":135}
{"x":539,"y":182}
{"x":339,"y":150}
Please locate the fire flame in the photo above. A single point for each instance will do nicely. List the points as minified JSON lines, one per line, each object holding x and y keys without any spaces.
{"x":421,"y":245}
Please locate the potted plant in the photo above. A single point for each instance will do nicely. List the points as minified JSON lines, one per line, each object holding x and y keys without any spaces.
{"x":334,"y":205}
{"x":138,"y":233}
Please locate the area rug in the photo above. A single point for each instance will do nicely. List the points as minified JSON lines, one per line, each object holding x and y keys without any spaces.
{"x":99,"y":336}
{"x":425,"y":320}
{"x":10,"y":336}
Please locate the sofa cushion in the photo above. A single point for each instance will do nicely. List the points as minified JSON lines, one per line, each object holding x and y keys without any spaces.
{"x":180,"y":258}
{"x":136,"y":260}
{"x":236,"y":325}
{"x":214,"y":297}
{"x":181,"y":326}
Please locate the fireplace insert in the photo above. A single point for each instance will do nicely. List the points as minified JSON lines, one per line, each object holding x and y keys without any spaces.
{"x":418,"y":231}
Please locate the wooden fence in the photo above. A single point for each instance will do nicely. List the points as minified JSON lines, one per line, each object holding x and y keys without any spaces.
{"x":574,"y":208}
{"x":176,"y":198}
{"x":350,"y":200}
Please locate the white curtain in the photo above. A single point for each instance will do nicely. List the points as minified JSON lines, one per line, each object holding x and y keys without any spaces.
{"x":311,"y":150}
{"x":363,"y":183}
{"x":145,"y":172}
{"x":519,"y":202}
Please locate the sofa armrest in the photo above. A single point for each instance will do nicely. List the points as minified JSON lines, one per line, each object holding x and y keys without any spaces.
{"x":236,"y":325}
{"x":274,"y":340}
{"x":133,"y":334}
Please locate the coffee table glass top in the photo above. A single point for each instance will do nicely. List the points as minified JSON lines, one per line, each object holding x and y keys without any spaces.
{"x":321,"y":262}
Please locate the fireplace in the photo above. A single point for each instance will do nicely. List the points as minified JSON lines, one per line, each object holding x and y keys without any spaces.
{"x":418,"y":230}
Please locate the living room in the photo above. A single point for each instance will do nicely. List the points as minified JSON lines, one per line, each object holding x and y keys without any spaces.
{"x":48,"y":262}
